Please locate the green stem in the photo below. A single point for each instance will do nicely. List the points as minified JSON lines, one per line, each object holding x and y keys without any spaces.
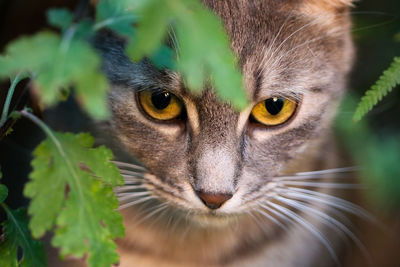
{"x":42,"y":125}
{"x":4,"y":114}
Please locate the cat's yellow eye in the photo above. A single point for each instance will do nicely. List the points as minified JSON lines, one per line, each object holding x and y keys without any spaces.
{"x":274,"y":111}
{"x":160,"y":105}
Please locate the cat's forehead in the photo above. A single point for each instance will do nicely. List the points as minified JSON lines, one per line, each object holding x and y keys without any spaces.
{"x":287,"y":46}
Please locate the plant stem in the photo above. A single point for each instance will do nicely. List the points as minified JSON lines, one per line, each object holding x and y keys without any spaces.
{"x":4,"y":206}
{"x":4,"y":114}
{"x":41,"y":124}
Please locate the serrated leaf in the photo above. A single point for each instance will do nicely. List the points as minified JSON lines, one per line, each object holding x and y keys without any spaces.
{"x":86,"y":218}
{"x":16,"y":235}
{"x":202,"y":45}
{"x":59,"y":63}
{"x":115,"y":15}
{"x":60,"y":18}
{"x":389,"y":79}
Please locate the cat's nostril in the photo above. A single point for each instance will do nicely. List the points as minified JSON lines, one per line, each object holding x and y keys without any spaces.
{"x":212,"y":200}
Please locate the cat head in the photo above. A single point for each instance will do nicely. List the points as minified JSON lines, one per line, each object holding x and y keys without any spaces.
{"x":204,"y":156}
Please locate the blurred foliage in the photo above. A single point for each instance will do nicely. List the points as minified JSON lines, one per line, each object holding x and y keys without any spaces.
{"x":17,"y":236}
{"x":57,"y":63}
{"x":378,"y":157}
{"x":389,"y":79}
{"x":374,"y":141}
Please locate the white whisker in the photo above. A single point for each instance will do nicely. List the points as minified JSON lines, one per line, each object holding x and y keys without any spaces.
{"x":328,"y":171}
{"x":265,"y":214}
{"x":324,"y":185}
{"x":155,"y":209}
{"x":301,"y":178}
{"x":140,"y":200}
{"x":329,"y":221}
{"x":132,"y":173}
{"x":125,"y":196}
{"x":129,"y":165}
{"x":132,"y":178}
{"x":129,"y":187}
{"x":309,"y":195}
{"x":309,"y":227}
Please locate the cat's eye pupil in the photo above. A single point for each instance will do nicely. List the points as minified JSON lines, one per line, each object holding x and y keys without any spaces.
{"x":274,"y":105}
{"x":161,"y":100}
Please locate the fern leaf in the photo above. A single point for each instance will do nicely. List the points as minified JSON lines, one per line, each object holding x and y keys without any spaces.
{"x":389,"y":79}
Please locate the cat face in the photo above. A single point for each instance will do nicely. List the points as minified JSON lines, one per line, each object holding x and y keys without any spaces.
{"x":204,"y":156}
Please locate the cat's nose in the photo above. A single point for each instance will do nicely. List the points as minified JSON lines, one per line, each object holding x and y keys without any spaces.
{"x":212,"y":200}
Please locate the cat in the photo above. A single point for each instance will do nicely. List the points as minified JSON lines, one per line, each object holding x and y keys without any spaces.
{"x":218,"y":187}
{"x":211,"y":187}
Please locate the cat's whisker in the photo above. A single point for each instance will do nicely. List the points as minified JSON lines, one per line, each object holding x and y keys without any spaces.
{"x":331,"y":222}
{"x":270,"y":217}
{"x":330,"y":171}
{"x":310,"y":195}
{"x":131,"y":173}
{"x":154,"y":210}
{"x":301,"y":178}
{"x":324,"y":185}
{"x":129,"y":182}
{"x":326,"y":219}
{"x":307,"y":225}
{"x":128,"y":187}
{"x":125,"y":196}
{"x":277,"y":213}
{"x":138,"y":201}
{"x":133,"y":178}
{"x":129,"y":165}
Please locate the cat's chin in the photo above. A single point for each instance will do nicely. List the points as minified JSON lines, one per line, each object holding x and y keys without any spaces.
{"x":212,"y":219}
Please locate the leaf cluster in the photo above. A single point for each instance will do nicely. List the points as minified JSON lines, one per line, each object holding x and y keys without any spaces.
{"x":16,"y":236}
{"x":78,"y":181}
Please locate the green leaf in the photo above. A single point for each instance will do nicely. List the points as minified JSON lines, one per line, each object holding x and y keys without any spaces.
{"x":163,"y":58}
{"x":16,"y":235}
{"x":202,"y":45}
{"x":3,"y":192}
{"x":59,"y":63}
{"x":60,"y":17}
{"x":86,"y":218}
{"x":150,"y":31}
{"x":115,"y":15}
{"x":389,"y":79}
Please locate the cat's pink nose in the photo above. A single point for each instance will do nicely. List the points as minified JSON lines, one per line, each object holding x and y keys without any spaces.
{"x":212,"y":200}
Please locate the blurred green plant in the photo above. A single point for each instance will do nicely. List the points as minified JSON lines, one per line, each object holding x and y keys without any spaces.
{"x":389,"y":80}
{"x":16,"y":235}
{"x":378,"y":157}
